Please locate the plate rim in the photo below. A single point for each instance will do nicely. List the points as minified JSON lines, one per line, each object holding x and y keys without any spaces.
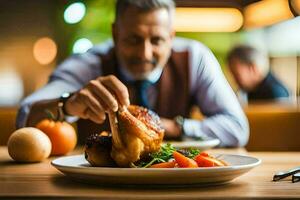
{"x":209,"y":169}
{"x":206,"y":144}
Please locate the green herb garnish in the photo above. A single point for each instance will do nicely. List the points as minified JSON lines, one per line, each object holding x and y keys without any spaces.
{"x":192,"y":153}
{"x":165,"y":154}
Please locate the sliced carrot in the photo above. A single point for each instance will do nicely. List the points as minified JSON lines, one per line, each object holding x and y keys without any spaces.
{"x":204,"y":154}
{"x":217,"y":162}
{"x":164,"y":165}
{"x":183,"y":161}
{"x":204,"y":161}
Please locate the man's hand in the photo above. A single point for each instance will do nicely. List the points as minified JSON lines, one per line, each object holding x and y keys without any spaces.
{"x":172,"y":129}
{"x":101,"y":95}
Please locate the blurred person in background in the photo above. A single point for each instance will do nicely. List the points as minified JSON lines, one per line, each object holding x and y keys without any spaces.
{"x":144,"y":65}
{"x":251,"y":71}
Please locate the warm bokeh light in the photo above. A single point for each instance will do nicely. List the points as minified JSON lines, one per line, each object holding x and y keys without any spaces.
{"x":11,"y":85}
{"x":296,"y":5}
{"x":82,"y":45}
{"x":208,"y":20}
{"x":74,"y":13}
{"x":44,"y":50}
{"x":266,"y":12}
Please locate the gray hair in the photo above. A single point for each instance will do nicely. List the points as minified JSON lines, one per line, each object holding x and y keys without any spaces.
{"x":250,"y":56}
{"x":143,"y":5}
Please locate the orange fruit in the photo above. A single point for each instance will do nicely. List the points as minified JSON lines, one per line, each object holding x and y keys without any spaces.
{"x":61,"y":134}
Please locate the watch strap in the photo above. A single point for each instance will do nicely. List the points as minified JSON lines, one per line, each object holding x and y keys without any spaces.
{"x":62,"y":102}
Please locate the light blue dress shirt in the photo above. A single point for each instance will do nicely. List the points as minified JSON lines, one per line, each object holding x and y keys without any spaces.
{"x":224,"y":120}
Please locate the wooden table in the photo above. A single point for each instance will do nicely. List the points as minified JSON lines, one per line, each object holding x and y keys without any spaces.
{"x":42,"y":181}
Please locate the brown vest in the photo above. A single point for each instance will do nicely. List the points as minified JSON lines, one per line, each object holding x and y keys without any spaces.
{"x":173,"y":91}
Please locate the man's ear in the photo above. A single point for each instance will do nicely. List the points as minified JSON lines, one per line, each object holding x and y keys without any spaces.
{"x":172,"y":33}
{"x":254,"y":69}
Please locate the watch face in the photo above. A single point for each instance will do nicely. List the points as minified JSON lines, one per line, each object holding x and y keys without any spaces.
{"x":65,"y":95}
{"x":179,"y":120}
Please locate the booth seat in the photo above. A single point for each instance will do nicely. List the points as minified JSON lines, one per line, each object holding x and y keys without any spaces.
{"x":7,"y":123}
{"x":273,"y":127}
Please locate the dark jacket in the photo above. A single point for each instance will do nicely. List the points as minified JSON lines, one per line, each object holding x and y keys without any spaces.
{"x":269,"y":88}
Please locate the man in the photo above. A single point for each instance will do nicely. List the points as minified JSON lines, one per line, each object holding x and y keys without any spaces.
{"x":144,"y":66}
{"x":250,"y":69}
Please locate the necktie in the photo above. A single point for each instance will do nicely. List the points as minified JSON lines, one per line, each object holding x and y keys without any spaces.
{"x":141,"y":87}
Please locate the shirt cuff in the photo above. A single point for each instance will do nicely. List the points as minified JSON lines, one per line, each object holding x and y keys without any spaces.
{"x":192,"y":128}
{"x":71,"y":119}
{"x":22,"y":116}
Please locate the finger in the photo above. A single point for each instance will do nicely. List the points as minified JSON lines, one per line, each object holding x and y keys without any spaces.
{"x":83,"y":115}
{"x":94,"y":104}
{"x":77,"y":105}
{"x":118,"y":88}
{"x":95,"y":117}
{"x":102,"y":93}
{"x":87,"y":99}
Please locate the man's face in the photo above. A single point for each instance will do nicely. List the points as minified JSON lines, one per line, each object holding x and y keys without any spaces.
{"x":243,"y":74}
{"x":143,"y":40}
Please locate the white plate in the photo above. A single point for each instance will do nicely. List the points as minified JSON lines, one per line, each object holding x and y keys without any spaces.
{"x":200,"y":144}
{"x":78,"y":168}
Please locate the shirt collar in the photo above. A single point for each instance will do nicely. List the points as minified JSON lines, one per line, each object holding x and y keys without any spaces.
{"x":153,"y":76}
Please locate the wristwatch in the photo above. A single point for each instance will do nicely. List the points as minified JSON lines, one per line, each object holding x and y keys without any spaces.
{"x":179,"y":120}
{"x":62,"y":101}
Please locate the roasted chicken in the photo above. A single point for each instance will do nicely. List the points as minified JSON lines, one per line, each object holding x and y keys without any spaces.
{"x":97,"y":150}
{"x":135,"y":132}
